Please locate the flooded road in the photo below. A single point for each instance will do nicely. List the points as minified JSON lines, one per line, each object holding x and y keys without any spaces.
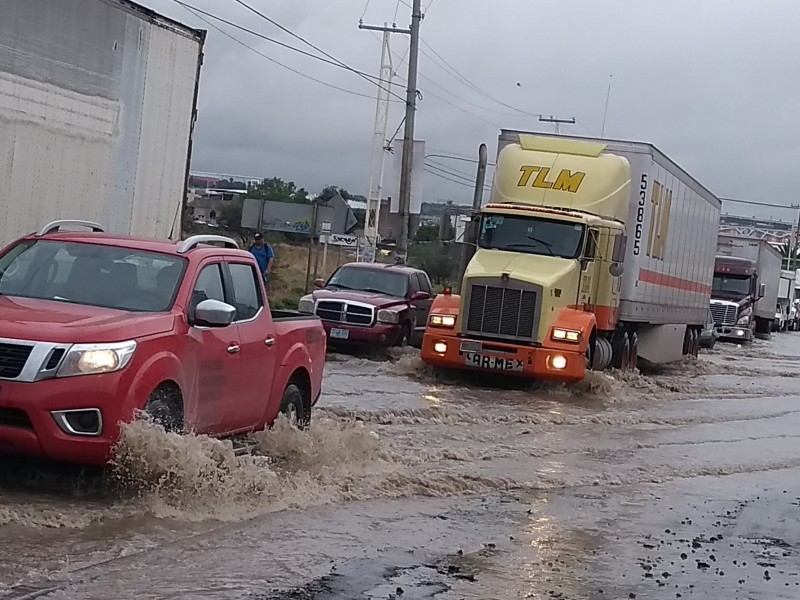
{"x":680,"y":483}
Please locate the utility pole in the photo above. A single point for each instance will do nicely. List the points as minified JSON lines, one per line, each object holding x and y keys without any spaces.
{"x":556,"y":122}
{"x":411,"y":109}
{"x":379,"y":146}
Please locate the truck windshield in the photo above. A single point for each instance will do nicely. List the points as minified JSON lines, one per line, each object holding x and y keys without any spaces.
{"x":380,"y":281}
{"x":531,"y":235}
{"x":91,"y":274}
{"x":734,"y":286}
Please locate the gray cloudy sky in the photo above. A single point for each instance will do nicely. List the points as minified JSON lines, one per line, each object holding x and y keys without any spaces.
{"x":713,"y":83}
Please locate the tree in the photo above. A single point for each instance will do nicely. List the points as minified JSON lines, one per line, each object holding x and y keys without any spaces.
{"x":277,"y":190}
{"x":427,"y":233}
{"x":230,"y":216}
{"x":229,"y":184}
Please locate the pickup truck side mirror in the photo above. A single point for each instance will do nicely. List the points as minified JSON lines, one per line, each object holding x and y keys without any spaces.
{"x":213,"y":313}
{"x":420,"y":295}
{"x":319,"y":283}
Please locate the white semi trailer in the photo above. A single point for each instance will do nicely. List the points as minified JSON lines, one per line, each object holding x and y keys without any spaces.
{"x":97,"y":110}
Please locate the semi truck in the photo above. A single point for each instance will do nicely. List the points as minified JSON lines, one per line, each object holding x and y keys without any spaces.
{"x":591,"y":253}
{"x":784,"y":311}
{"x":97,"y":111}
{"x":745,"y":288}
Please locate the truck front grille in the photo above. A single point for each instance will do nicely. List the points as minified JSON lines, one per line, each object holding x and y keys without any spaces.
{"x":13,"y":358}
{"x":342,"y":312}
{"x":501,"y":312}
{"x":724,"y":314}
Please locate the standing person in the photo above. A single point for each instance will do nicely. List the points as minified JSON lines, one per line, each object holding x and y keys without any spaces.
{"x":264,"y":257}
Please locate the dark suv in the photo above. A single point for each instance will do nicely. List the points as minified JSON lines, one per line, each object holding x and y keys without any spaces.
{"x":372,"y":304}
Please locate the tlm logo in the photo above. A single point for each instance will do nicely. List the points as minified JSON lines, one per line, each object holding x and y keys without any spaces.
{"x":566,"y":181}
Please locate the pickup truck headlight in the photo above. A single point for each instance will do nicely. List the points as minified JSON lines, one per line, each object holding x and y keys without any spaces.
{"x":745,"y":320}
{"x":442,"y":321}
{"x":93,"y":359}
{"x":388,"y":316}
{"x":306,"y":305}
{"x":566,"y":335}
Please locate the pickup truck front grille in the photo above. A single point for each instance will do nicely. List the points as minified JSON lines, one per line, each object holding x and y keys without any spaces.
{"x":724,"y":314}
{"x":13,"y":358}
{"x":341,"y":312}
{"x":503,"y":312}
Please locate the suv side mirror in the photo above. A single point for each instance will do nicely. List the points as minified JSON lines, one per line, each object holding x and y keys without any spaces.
{"x":319,"y":283}
{"x":213,"y":313}
{"x":420,"y":295}
{"x":762,"y":290}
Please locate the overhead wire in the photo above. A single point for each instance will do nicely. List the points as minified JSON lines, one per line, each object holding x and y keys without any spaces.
{"x":199,"y":16}
{"x":315,"y":47}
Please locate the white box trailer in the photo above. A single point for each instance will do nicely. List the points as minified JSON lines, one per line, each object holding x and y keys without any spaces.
{"x":97,"y":109}
{"x":671,"y":246}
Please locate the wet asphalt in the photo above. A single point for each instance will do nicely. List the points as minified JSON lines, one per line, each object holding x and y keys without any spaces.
{"x":680,"y":482}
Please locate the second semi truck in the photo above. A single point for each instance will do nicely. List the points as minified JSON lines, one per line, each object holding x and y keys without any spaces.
{"x":591,"y":253}
{"x":745,"y":288}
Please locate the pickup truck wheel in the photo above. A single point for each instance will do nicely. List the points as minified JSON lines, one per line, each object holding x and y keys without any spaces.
{"x":405,"y":335}
{"x":165,"y":408}
{"x":294,"y":408}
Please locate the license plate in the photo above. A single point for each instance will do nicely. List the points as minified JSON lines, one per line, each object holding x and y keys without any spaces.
{"x":497,"y":363}
{"x":340,"y":334}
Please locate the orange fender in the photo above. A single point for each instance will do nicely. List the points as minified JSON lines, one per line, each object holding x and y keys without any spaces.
{"x":577,"y":320}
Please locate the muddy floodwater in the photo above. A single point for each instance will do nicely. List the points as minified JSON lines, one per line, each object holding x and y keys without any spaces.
{"x":679,"y":483}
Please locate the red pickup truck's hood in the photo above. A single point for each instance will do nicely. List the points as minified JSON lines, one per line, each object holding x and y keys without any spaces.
{"x":379,"y":300}
{"x":61,"y":322}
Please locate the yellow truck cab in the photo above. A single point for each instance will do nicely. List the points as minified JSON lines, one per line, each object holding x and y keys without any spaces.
{"x":541,"y":296}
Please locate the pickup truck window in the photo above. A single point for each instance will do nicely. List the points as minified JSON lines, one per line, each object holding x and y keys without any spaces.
{"x":415,"y":287}
{"x":208,"y":286}
{"x":424,"y":283}
{"x":91,"y":274}
{"x":380,"y":281}
{"x":246,"y":292}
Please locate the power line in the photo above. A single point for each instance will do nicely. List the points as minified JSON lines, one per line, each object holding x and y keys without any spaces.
{"x":457,"y":177}
{"x":269,"y":58}
{"x":317,"y":48}
{"x":753,"y":202}
{"x":366,"y":8}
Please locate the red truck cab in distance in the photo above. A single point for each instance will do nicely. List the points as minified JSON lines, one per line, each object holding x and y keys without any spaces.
{"x":96,"y":327}
{"x":372,"y":304}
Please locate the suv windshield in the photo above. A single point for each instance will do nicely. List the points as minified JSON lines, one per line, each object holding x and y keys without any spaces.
{"x":90,"y":274}
{"x":382,"y":281}
{"x":734,"y":286}
{"x":531,"y":235}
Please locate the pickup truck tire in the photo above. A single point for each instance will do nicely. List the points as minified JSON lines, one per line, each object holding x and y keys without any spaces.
{"x":165,"y":407}
{"x":405,"y":335}
{"x":294,"y":407}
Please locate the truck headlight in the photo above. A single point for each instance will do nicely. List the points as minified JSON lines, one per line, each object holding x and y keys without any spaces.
{"x":388,"y":316}
{"x":93,"y":359}
{"x":745,"y":320}
{"x":442,"y":321}
{"x":566,"y":335}
{"x":306,"y":305}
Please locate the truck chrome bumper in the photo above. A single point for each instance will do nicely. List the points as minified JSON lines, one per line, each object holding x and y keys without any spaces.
{"x":734,"y":333}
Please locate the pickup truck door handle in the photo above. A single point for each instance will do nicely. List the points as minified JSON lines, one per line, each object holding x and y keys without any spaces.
{"x":233,"y":349}
{"x":270,"y":341}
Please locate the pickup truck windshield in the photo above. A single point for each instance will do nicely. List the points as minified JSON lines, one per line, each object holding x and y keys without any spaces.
{"x":531,"y":235}
{"x":91,"y":274}
{"x":734,"y":286}
{"x":380,"y":281}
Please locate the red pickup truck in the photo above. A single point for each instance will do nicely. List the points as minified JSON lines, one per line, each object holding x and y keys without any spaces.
{"x":96,"y":327}
{"x":372,"y":304}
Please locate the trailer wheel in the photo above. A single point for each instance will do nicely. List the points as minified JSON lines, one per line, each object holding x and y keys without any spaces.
{"x":695,"y":343}
{"x":621,"y":351}
{"x":633,"y":362}
{"x":293,"y":407}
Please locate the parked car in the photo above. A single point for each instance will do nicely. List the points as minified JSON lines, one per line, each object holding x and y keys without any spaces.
{"x":709,"y":335}
{"x":372,"y":304}
{"x":97,"y":327}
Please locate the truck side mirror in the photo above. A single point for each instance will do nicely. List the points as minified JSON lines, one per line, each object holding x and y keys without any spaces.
{"x":762,"y":290}
{"x":213,"y":313}
{"x":620,"y":245}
